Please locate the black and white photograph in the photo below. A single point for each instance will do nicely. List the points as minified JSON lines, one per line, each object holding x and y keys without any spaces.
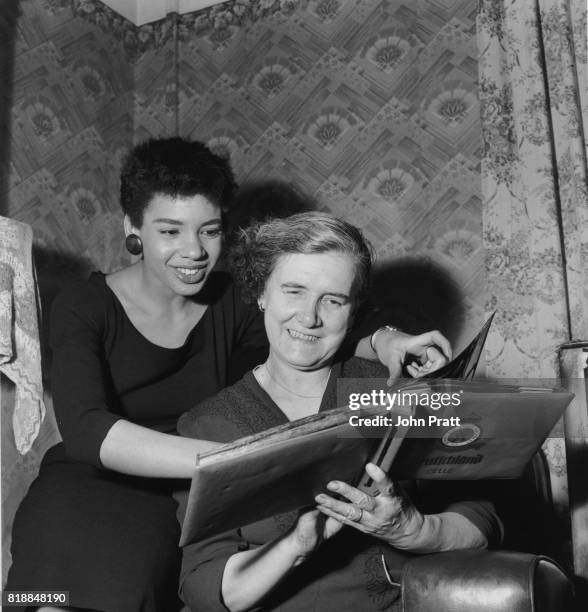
{"x":293,"y":305}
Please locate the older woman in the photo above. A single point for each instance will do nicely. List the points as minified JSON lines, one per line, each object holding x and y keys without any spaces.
{"x":308,"y":274}
{"x":132,"y":350}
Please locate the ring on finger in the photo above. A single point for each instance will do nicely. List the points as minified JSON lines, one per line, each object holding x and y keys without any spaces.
{"x":355,"y":514}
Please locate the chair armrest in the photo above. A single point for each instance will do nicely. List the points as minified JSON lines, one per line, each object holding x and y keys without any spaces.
{"x":484,"y":581}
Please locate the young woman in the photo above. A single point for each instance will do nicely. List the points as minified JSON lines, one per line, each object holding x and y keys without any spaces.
{"x":132,"y":351}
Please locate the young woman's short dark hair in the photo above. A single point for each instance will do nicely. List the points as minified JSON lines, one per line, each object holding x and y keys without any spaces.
{"x":175,"y":167}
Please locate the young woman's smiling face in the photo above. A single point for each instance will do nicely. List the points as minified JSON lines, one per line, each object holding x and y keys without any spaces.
{"x":308,"y":306}
{"x":182,"y":241}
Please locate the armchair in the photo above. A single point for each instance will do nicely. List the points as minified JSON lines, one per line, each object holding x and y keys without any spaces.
{"x":485,"y":581}
{"x":499,"y":580}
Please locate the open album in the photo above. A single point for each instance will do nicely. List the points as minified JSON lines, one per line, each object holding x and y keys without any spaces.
{"x":441,"y":429}
{"x":275,"y":471}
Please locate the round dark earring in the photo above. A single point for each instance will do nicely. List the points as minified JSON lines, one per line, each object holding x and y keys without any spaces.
{"x":134,"y":244}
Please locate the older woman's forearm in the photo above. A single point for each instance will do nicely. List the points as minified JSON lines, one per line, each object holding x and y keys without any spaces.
{"x":139,"y":451}
{"x":447,"y":531}
{"x":250,"y":575}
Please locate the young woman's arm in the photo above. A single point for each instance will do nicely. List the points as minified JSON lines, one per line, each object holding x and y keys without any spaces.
{"x":430,"y":350}
{"x":250,"y":575}
{"x":139,"y":451}
{"x":92,"y":432}
{"x":391,"y":347}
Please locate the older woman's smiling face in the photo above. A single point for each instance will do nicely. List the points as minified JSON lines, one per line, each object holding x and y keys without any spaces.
{"x":309,"y":303}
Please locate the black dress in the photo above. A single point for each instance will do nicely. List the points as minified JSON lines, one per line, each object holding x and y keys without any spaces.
{"x":110,"y":539}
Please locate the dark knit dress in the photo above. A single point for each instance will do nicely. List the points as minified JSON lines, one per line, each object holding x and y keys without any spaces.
{"x":346,"y":573}
{"x":110,"y":539}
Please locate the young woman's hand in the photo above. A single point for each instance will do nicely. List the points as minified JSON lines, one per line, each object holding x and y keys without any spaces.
{"x":431,"y":351}
{"x":310,"y":530}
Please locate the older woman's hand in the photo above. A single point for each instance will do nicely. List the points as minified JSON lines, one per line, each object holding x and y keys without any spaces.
{"x":389,"y":515}
{"x":432,"y":351}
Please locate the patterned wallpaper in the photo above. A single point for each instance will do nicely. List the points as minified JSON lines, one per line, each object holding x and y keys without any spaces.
{"x":369,"y":105}
{"x":71,"y":121}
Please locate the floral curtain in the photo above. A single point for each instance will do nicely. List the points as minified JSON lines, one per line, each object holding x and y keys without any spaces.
{"x":534,"y":179}
{"x":533,"y":95}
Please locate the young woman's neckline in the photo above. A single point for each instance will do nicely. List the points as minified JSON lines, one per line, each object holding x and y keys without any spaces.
{"x":120,"y":303}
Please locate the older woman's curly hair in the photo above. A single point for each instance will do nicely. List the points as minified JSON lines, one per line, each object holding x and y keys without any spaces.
{"x":257,"y":249}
